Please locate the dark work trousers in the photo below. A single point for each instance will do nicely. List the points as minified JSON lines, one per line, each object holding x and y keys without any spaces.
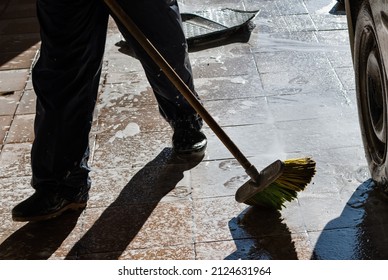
{"x":66,"y":79}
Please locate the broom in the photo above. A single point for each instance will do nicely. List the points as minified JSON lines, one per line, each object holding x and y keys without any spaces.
{"x":274,"y":185}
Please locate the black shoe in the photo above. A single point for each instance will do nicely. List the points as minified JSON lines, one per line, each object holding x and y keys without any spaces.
{"x":44,"y":205}
{"x":189,"y":141}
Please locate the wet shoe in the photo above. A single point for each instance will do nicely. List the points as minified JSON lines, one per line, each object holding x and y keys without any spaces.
{"x":44,"y":205}
{"x":189,"y":141}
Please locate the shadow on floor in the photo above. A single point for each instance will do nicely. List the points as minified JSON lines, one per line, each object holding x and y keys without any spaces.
{"x":260,"y":234}
{"x":38,"y":241}
{"x":338,"y":9}
{"x":361,"y":231}
{"x":19,"y":31}
{"x":118,"y":225}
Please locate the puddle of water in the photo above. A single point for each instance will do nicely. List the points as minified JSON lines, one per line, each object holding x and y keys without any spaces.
{"x":362,"y":174}
{"x":131,"y":130}
{"x":281,"y":44}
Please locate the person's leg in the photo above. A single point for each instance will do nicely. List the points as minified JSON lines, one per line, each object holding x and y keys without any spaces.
{"x":161,"y":23}
{"x":65,"y":79}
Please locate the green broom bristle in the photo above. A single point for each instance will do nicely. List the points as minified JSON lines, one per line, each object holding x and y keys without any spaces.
{"x":297,"y":174}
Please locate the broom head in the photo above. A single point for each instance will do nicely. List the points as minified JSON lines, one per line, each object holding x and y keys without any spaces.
{"x":279,"y":182}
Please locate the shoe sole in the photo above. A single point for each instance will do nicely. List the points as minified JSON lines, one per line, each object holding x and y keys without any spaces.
{"x":199,"y":151}
{"x":70,"y":207}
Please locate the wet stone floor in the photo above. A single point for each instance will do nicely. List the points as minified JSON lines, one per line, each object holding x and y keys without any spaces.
{"x":286,"y":92}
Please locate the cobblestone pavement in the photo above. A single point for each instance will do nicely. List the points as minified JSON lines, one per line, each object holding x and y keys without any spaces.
{"x":286,"y":92}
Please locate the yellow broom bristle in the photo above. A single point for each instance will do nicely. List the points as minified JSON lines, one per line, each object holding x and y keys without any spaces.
{"x":297,"y":174}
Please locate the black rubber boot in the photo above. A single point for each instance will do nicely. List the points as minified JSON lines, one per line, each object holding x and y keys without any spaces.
{"x":188,"y":139}
{"x":44,"y":205}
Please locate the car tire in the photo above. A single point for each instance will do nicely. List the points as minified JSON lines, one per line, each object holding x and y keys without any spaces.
{"x":371,"y":91}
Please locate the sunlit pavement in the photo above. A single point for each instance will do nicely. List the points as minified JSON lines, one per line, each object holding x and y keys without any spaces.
{"x":288,"y":92}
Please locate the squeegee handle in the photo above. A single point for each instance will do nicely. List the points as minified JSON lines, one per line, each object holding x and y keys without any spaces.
{"x":180,"y":85}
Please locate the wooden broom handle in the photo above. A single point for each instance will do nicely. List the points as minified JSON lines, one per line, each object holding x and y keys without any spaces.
{"x":178,"y":83}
